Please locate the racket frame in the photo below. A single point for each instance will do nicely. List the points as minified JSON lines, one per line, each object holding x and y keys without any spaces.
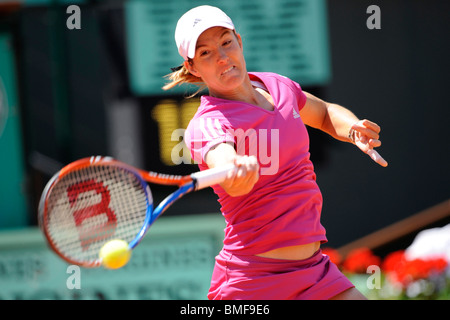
{"x":78,"y":165}
{"x":186,"y":184}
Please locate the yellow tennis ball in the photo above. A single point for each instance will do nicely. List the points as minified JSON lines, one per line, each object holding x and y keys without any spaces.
{"x":115,"y":254}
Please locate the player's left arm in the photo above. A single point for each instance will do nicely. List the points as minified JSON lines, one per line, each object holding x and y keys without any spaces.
{"x":343,"y":125}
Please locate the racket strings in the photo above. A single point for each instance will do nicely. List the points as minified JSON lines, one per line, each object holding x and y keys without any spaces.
{"x":90,"y":206}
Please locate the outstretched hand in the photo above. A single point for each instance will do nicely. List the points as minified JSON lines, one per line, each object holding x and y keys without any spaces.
{"x":366,"y":136}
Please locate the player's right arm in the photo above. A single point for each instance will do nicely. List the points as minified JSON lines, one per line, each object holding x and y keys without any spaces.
{"x":241,"y":180}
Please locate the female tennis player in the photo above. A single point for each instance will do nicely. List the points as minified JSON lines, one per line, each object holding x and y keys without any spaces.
{"x":271,"y":202}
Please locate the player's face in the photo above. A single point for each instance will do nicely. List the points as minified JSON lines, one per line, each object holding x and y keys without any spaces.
{"x":219,"y":60}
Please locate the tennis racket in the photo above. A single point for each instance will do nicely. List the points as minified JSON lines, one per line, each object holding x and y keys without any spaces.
{"x":94,"y":200}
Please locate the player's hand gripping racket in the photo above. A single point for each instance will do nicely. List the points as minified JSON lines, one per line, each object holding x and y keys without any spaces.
{"x":94,"y":200}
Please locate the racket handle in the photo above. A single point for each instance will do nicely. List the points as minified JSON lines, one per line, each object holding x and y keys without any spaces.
{"x":207,"y":178}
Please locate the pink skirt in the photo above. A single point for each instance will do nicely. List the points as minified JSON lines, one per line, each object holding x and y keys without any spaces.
{"x":250,"y":277}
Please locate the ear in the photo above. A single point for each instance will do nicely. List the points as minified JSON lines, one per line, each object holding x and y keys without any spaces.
{"x":190,"y":67}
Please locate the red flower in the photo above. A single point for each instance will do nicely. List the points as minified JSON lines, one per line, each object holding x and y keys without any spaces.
{"x":404,"y":271}
{"x":417,"y":268}
{"x":393,"y":261}
{"x":440,"y":264}
{"x":358,"y":260}
{"x":334,"y":255}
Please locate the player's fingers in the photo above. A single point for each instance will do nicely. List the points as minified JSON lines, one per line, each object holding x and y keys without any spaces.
{"x":367,"y":124}
{"x":371,"y":125}
{"x":241,"y":163}
{"x":377,"y":158}
{"x":364,"y":131}
{"x":241,"y":172}
{"x":248,"y":170}
{"x":374,"y":143}
{"x":232,"y":173}
{"x":253,"y":173}
{"x":250,"y":163}
{"x":241,"y":169}
{"x":253,"y":165}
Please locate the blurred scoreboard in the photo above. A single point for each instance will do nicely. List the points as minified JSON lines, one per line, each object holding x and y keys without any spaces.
{"x":126,"y":48}
{"x":289,"y":37}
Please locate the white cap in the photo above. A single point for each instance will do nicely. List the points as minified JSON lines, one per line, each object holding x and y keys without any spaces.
{"x":193,"y":23}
